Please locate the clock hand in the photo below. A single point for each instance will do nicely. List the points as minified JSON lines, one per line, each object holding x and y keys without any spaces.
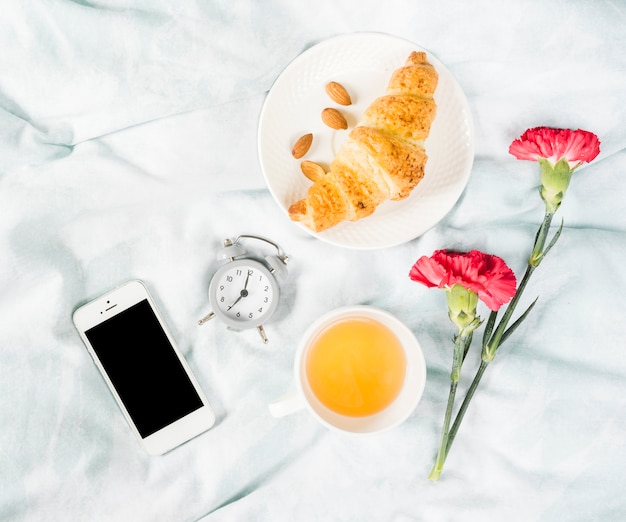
{"x":236,"y":301}
{"x":243,"y":293}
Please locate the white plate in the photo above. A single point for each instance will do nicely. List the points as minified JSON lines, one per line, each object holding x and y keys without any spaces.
{"x":363,"y":63}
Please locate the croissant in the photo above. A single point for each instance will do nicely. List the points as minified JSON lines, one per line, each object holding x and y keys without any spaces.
{"x":382,"y":158}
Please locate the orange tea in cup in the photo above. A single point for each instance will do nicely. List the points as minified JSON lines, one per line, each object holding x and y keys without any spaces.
{"x":356,"y":366}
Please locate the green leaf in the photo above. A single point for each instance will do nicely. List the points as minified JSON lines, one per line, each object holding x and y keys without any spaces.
{"x":467,"y":342}
{"x":489,"y":327}
{"x":514,"y":326}
{"x":554,"y":239}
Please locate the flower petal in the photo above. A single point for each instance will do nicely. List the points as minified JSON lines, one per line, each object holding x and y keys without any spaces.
{"x":428,"y":271}
{"x":576,"y":146}
{"x":486,"y":275}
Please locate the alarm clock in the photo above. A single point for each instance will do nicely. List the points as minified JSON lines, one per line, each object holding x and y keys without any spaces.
{"x":244,"y":292}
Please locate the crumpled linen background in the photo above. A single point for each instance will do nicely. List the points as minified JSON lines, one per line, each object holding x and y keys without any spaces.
{"x":128,"y":150}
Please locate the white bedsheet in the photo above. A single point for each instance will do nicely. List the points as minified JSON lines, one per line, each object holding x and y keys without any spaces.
{"x":128,"y":150}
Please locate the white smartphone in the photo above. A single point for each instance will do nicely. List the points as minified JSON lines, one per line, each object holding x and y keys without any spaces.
{"x":138,"y":358}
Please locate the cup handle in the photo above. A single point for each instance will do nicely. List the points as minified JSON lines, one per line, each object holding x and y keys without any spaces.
{"x":289,"y":403}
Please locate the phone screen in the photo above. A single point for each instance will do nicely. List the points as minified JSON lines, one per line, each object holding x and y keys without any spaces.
{"x":144,"y":368}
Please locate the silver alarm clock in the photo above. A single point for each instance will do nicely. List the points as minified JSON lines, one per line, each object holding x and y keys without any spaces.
{"x":244,"y":292}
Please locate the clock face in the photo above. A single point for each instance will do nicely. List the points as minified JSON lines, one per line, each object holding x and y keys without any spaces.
{"x":243,"y":293}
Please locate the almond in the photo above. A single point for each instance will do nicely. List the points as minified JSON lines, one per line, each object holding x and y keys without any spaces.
{"x":334,"y":119}
{"x":312,"y":170}
{"x":302,"y":146}
{"x":338,"y":93}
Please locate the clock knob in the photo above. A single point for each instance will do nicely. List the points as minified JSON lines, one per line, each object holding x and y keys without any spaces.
{"x":230,"y":251}
{"x":277,"y":265}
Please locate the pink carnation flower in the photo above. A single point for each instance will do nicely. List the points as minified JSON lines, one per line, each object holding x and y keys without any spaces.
{"x":486,"y":275}
{"x":576,"y":146}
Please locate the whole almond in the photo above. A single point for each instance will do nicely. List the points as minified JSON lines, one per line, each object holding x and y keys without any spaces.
{"x":302,"y":146}
{"x":334,"y":119}
{"x":338,"y":93}
{"x":312,"y":170}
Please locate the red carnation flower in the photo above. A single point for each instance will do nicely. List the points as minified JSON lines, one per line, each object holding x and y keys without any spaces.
{"x":486,"y":275}
{"x":576,"y":146}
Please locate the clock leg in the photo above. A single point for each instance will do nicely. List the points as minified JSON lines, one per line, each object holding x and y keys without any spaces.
{"x":206,"y":318}
{"x":262,"y":333}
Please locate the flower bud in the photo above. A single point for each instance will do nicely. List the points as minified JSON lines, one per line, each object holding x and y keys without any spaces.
{"x":554,"y":182}
{"x":462,"y":305}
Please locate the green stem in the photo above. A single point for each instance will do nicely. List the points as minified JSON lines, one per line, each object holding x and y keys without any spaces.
{"x":491,"y":345}
{"x":540,"y":240}
{"x":435,"y":473}
{"x":468,"y":397}
{"x":461,"y":342}
{"x":537,"y":255}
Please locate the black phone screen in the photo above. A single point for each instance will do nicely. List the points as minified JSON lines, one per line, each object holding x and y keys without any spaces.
{"x":144,"y":369}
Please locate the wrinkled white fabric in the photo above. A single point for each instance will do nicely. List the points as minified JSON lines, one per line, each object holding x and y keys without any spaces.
{"x":128,"y":149}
